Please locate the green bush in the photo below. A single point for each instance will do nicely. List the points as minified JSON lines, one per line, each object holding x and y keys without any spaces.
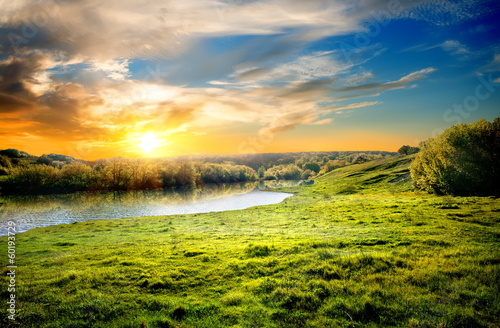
{"x":463,"y":160}
{"x":30,"y":179}
{"x":5,"y":162}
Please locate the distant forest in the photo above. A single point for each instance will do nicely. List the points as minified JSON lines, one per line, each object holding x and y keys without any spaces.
{"x":22,"y":173}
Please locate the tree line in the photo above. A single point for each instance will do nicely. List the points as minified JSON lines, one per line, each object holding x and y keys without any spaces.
{"x":119,"y":174}
{"x":21,"y":173}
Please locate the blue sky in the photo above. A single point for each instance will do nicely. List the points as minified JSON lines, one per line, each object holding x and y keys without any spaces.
{"x":91,"y":78}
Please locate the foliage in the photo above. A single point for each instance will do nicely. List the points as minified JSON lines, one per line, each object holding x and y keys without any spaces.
{"x":225,"y":173}
{"x":286,"y":172}
{"x":261,"y":172}
{"x":463,"y":160}
{"x":335,"y":164}
{"x":29,"y":179}
{"x":306,"y":174}
{"x":312,"y":166}
{"x":269,"y":160}
{"x":14,"y":153}
{"x":120,"y":174}
{"x":360,"y":158}
{"x":5,"y":162}
{"x":408,"y":150}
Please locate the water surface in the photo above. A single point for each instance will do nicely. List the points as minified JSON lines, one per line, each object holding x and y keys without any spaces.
{"x":44,"y":210}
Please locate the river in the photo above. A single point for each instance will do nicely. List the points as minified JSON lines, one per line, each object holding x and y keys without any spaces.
{"x":45,"y":210}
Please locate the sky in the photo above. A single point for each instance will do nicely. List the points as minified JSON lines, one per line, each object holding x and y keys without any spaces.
{"x":102,"y":78}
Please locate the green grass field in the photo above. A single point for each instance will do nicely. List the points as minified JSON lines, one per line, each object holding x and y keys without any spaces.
{"x":358,"y":248}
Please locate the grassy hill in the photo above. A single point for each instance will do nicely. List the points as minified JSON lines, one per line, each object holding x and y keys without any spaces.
{"x":358,"y":248}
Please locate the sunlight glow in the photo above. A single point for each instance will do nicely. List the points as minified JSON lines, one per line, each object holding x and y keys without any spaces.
{"x":149,"y":142}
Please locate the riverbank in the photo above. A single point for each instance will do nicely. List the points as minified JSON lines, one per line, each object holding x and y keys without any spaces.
{"x":352,"y":250}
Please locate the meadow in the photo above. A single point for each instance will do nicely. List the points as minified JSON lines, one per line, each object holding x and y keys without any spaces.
{"x":358,"y":248}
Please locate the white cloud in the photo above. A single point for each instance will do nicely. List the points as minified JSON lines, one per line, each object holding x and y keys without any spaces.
{"x":316,"y":65}
{"x":360,"y":77}
{"x":352,"y":106}
{"x":455,"y":47}
{"x":447,"y":12}
{"x":403,"y":82}
{"x":114,"y":68}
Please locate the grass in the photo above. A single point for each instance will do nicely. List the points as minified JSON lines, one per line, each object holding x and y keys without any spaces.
{"x":358,"y":248}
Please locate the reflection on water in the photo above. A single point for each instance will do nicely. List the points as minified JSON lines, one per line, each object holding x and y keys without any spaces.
{"x":39,"y":211}
{"x":273,"y":184}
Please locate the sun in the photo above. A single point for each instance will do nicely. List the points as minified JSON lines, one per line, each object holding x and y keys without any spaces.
{"x":149,"y":142}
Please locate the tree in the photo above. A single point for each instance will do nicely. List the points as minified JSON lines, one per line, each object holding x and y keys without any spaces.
{"x":44,"y":159}
{"x":360,"y":158}
{"x":31,"y":179}
{"x":75,"y":177}
{"x":306,"y":174}
{"x":313,"y":167}
{"x":404,"y":150}
{"x":5,"y":162}
{"x":408,"y":150}
{"x":13,"y":153}
{"x":463,"y":160}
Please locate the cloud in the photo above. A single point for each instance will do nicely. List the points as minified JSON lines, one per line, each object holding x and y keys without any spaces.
{"x":114,"y":69}
{"x":125,"y":28}
{"x":356,"y":78}
{"x":10,"y":104}
{"x":352,"y":106}
{"x":114,"y":29}
{"x":314,"y":66}
{"x":288,"y":121}
{"x":253,"y":74}
{"x":455,"y":47}
{"x":321,"y":122}
{"x":310,"y":90}
{"x":447,"y":12}
{"x":403,"y":82}
{"x":65,"y":109}
{"x":480,"y":29}
{"x":22,"y":79}
{"x":18,"y":73}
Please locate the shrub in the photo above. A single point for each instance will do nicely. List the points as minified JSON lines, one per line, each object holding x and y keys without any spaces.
{"x":408,"y":150}
{"x":5,"y":162}
{"x":312,"y":166}
{"x":30,"y":179}
{"x":463,"y":160}
{"x":306,"y":174}
{"x":286,"y":172}
{"x":360,"y":158}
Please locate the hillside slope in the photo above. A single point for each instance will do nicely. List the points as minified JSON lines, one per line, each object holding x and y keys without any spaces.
{"x":388,"y":175}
